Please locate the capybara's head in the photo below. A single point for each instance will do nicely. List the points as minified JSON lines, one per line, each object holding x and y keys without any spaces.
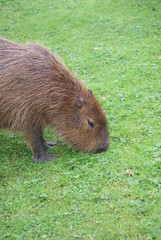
{"x":83,"y":124}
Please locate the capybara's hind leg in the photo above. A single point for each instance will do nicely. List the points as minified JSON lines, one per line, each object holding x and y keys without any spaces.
{"x":35,"y":141}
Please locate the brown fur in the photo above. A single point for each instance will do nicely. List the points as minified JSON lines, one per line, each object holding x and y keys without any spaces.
{"x":36,"y":90}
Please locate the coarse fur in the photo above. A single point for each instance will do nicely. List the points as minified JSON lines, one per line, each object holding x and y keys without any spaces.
{"x":36,"y":90}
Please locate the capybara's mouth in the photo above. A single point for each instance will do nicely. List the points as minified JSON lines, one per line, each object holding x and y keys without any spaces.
{"x":103,"y":147}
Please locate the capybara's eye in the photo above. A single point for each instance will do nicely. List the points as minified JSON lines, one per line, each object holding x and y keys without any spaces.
{"x":90,"y":123}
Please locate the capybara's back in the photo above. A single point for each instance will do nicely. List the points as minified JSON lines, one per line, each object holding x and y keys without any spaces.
{"x":36,"y":90}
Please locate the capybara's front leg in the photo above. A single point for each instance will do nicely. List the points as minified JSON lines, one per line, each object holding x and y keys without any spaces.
{"x":35,"y":141}
{"x":49,"y":144}
{"x":46,"y":144}
{"x":42,"y":157}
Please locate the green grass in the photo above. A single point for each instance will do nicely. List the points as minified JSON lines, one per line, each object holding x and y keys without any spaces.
{"x":114,"y":47}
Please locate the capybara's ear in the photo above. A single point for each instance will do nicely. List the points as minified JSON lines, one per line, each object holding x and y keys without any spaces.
{"x":80,"y":103}
{"x":89,"y":90}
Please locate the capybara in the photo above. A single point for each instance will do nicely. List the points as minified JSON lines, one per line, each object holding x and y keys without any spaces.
{"x":38,"y":90}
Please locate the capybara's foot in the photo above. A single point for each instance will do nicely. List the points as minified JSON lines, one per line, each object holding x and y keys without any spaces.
{"x":43,"y":158}
{"x":49,"y":144}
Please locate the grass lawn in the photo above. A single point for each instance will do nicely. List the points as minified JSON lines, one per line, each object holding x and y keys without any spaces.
{"x":115,"y":47}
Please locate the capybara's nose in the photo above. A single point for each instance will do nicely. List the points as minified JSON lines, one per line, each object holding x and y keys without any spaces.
{"x":103,"y":147}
